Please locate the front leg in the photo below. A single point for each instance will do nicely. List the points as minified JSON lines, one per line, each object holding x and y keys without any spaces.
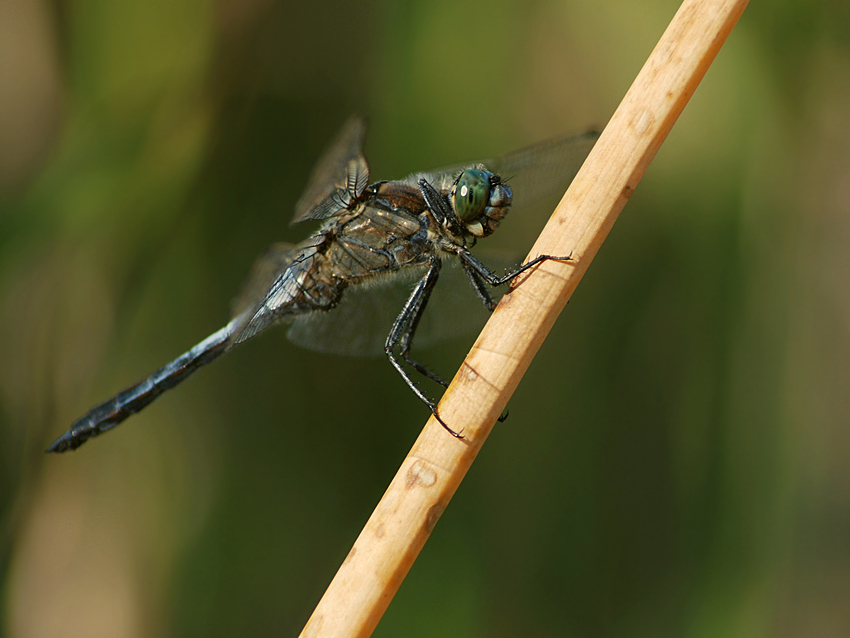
{"x":436,"y":203}
{"x":473,"y":265}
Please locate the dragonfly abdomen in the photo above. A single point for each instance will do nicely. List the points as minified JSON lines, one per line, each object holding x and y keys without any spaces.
{"x":111,"y":412}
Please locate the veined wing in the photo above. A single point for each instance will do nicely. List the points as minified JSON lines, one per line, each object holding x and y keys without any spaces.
{"x":340,"y":176}
{"x":535,"y":174}
{"x":257,"y":284}
{"x":359,"y":325}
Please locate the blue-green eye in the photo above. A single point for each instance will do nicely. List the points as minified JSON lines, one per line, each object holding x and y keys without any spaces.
{"x":471,"y":194}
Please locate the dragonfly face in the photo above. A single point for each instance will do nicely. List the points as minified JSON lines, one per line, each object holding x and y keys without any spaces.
{"x":368,"y":232}
{"x":480,"y":201}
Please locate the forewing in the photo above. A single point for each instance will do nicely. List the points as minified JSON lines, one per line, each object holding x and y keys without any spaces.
{"x":536,"y":174}
{"x":340,"y":175}
{"x":542,"y":172}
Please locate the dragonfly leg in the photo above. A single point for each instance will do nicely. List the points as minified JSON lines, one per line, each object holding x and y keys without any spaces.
{"x":422,"y":369}
{"x":478,"y":284}
{"x":436,"y":203}
{"x":405,"y":343}
{"x":471,"y":262}
{"x":401,"y":335}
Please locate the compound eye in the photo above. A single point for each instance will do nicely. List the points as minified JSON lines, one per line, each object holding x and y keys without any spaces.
{"x":471,"y":193}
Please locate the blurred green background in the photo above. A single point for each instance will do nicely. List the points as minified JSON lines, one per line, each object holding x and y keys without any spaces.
{"x":676,"y":461}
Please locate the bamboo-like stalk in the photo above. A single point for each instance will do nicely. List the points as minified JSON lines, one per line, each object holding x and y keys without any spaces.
{"x":428,"y":477}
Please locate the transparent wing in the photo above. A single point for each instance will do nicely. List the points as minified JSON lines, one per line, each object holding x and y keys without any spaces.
{"x":536,"y":174}
{"x":263,"y":274}
{"x":340,"y":176}
{"x":359,"y":325}
{"x":544,"y":170}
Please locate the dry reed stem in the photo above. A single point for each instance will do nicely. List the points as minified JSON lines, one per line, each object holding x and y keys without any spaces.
{"x":429,"y":476}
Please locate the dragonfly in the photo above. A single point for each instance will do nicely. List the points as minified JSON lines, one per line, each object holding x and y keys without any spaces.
{"x":370,"y":232}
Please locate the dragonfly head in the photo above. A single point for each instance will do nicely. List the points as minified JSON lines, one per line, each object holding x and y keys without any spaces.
{"x":480,"y":201}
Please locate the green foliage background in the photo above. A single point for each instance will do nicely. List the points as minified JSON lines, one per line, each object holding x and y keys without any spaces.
{"x":676,"y":461}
